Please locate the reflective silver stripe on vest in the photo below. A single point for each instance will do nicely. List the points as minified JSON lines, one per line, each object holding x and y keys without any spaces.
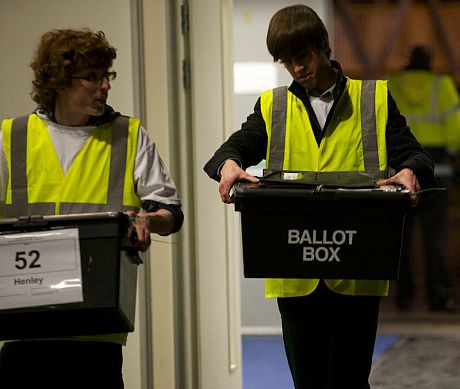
{"x":18,"y":164}
{"x":20,"y":205}
{"x":368,"y":125}
{"x":117,"y":163}
{"x":278,"y":131}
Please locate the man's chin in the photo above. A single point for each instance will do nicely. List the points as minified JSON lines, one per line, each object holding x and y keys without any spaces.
{"x":98,"y":111}
{"x":307,"y":85}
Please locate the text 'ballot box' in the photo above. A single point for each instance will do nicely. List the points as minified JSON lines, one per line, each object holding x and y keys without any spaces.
{"x":291,"y":231}
{"x":66,"y":275}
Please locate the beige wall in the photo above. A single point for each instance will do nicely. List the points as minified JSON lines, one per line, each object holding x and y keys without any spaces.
{"x":22,"y":22}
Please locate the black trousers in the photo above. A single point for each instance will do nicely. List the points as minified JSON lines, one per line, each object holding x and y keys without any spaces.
{"x":61,"y":364}
{"x":432,"y":215}
{"x":329,"y":338}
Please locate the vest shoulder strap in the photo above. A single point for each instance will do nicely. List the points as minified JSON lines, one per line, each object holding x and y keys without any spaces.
{"x":278,"y":130}
{"x":19,"y":161}
{"x":369,"y":127}
{"x":120,"y":129}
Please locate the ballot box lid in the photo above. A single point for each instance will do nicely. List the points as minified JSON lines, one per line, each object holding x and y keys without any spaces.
{"x":257,"y":195}
{"x":334,"y":179}
{"x":80,"y":219}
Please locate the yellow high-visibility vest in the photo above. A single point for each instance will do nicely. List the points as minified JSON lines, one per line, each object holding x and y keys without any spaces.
{"x":354,"y":141}
{"x":430,"y":102}
{"x":100,"y":178}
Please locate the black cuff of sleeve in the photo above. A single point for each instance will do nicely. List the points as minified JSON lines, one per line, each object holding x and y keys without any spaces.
{"x":153,"y":206}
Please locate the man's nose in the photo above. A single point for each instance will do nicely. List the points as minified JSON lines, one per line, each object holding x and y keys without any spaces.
{"x":105,"y":83}
{"x":297,"y":66}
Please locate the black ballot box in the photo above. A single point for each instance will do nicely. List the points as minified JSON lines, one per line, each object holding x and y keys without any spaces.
{"x":304,"y":231}
{"x":66,"y":275}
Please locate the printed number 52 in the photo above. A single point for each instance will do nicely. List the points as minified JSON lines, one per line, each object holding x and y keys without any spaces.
{"x":29,"y":260}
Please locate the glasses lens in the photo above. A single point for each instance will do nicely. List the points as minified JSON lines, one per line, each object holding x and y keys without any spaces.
{"x":110,"y":75}
{"x":98,"y":78}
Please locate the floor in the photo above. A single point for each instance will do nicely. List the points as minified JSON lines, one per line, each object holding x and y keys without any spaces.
{"x":264,"y":361}
{"x":417,"y":320}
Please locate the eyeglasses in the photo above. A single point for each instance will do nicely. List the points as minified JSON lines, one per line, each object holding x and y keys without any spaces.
{"x":97,"y":78}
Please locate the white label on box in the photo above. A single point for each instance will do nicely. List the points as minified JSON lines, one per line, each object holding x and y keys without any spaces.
{"x":40,"y":268}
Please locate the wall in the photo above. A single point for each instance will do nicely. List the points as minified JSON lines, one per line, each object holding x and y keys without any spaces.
{"x":23,"y":22}
{"x":387,"y":34}
{"x":217,"y":275}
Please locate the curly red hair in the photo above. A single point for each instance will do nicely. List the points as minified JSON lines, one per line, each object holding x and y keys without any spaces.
{"x":63,"y":53}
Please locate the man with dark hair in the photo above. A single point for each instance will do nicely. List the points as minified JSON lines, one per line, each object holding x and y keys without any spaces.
{"x":420,"y":58}
{"x":81,"y":156}
{"x":329,"y":326}
{"x":431,"y":105}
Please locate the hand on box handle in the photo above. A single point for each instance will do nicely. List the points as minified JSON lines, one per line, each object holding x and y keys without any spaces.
{"x":408,"y":179}
{"x":230,"y":173}
{"x":143,"y":224}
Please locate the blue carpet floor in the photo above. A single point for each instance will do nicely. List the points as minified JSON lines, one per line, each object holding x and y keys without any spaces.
{"x":265,"y":365}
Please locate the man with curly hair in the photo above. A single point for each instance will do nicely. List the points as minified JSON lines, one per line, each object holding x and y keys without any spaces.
{"x":80,"y":156}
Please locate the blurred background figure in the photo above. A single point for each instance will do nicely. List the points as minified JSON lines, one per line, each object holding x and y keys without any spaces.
{"x":430,"y":103}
